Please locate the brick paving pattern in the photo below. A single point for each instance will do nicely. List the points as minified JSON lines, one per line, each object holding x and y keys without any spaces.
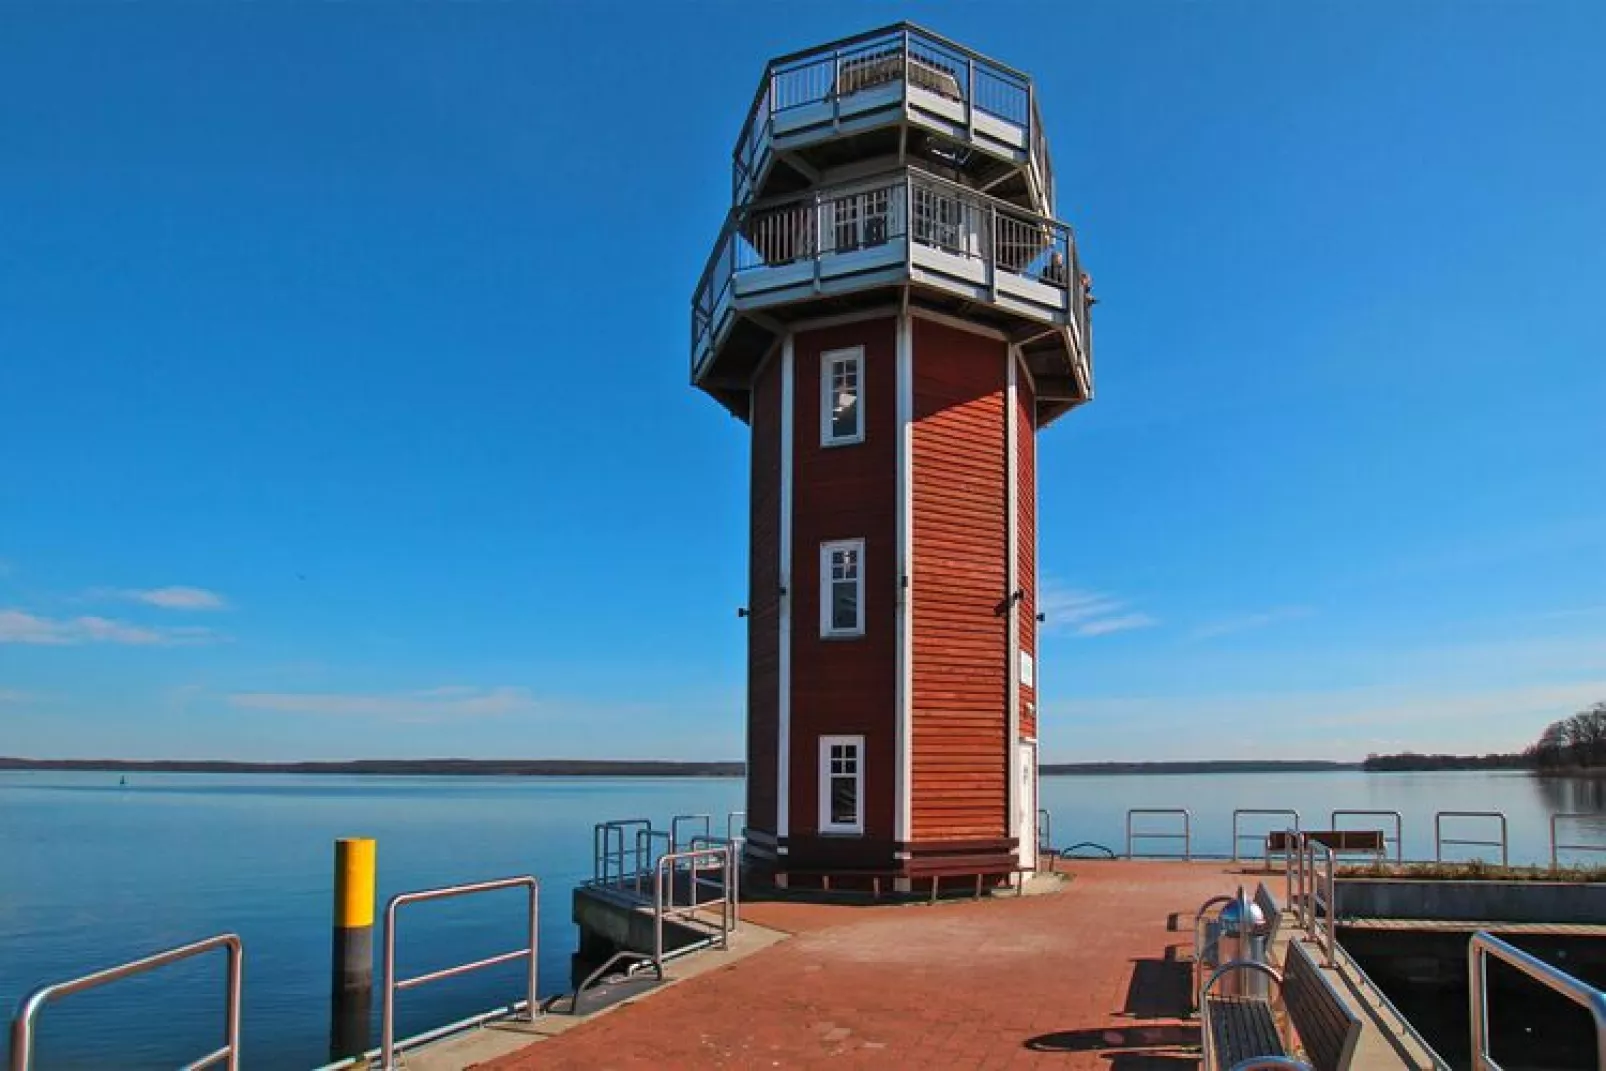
{"x":1092,"y":977}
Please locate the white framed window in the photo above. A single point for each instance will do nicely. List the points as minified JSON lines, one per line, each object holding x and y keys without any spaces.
{"x":841,"y":784}
{"x":842,"y":588}
{"x":842,"y":397}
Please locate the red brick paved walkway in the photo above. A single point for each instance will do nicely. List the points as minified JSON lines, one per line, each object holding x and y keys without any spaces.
{"x":1078,"y":979}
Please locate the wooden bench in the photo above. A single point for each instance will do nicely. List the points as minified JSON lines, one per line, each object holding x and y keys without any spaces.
{"x":1342,"y":841}
{"x":1269,"y":910}
{"x":1242,"y":1031}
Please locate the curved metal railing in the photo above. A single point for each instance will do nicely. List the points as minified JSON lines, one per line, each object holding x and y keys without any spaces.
{"x":1186,"y":836}
{"x":22,"y":1026}
{"x":1483,"y":946}
{"x":1440,"y":840}
{"x":393,"y":985}
{"x":902,"y":56}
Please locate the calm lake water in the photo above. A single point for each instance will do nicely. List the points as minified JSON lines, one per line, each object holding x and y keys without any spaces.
{"x":92,"y":874}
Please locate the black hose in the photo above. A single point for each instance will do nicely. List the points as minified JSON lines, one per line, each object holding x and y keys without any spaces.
{"x":1065,"y":853}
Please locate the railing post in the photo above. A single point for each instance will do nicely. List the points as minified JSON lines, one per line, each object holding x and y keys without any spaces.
{"x":1478,"y":994}
{"x":970,"y":100}
{"x":992,"y":249}
{"x":533,"y":967}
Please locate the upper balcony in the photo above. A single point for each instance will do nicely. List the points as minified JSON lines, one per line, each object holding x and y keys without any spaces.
{"x":856,"y":245}
{"x":902,"y":93}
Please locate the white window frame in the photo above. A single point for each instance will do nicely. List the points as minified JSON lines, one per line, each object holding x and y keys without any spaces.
{"x":828,"y":583}
{"x":826,"y":778}
{"x":828,"y":362}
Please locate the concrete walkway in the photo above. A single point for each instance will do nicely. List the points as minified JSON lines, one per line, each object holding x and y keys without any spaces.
{"x":1093,"y":977}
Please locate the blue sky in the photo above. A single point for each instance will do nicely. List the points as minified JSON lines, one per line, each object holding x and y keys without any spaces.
{"x":343,"y":403}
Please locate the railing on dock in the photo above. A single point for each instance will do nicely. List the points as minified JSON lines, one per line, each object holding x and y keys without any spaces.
{"x":675,"y":840}
{"x":392,"y":985}
{"x":901,"y":56}
{"x":692,"y":863}
{"x":1556,"y":847}
{"x":1483,"y":946}
{"x":22,"y":1026}
{"x":1440,"y":840}
{"x":1262,"y":812}
{"x":1399,"y":827}
{"x":1134,"y":834}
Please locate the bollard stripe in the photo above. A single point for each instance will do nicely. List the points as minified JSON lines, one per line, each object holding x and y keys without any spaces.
{"x":354,"y":883}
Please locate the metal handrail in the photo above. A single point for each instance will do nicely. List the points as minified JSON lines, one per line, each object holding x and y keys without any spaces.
{"x":664,"y":907}
{"x":1439,"y":839}
{"x":815,"y":75}
{"x":22,"y":1025}
{"x":1399,"y":828}
{"x":1403,"y":1028}
{"x":602,"y":837}
{"x":1483,"y":946}
{"x":1329,"y":929}
{"x":1186,"y":836}
{"x":1556,"y":847}
{"x":1199,"y":950}
{"x":1238,"y":838}
{"x":731,"y":828}
{"x":393,"y":985}
{"x":1045,"y":830}
{"x":804,"y":228}
{"x":674,"y":826}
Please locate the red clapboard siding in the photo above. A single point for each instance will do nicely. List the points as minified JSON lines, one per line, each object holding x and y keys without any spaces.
{"x":763,"y":601}
{"x":960,"y":672}
{"x":845,"y":686}
{"x":1026,"y":540}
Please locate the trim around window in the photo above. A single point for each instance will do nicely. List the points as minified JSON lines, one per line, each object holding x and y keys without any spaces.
{"x":842,"y":784}
{"x":842,"y":588}
{"x":842,"y":397}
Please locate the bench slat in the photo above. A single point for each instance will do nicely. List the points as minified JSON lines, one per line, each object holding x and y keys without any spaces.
{"x":1327,"y":1029}
{"x":1242,"y":1028}
{"x":1340,"y":840}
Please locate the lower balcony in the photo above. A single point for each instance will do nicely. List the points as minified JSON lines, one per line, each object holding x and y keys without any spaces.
{"x":851,"y":246}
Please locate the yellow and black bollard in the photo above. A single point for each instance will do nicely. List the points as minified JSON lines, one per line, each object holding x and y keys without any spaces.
{"x":352,"y":977}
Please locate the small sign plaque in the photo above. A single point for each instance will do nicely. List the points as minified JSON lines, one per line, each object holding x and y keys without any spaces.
{"x":1028,"y":670}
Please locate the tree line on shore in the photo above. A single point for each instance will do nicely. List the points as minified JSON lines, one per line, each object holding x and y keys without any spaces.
{"x":1573,"y":743}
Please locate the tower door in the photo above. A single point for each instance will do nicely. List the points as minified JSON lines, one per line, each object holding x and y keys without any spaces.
{"x":1026,"y":802}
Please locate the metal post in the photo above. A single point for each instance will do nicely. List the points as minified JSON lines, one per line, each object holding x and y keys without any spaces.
{"x":351,"y":975}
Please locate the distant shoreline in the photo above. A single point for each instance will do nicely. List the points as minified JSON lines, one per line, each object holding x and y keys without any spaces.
{"x":604,"y":767}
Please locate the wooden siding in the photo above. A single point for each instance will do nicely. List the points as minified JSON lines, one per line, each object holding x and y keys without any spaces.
{"x":1026,"y":543}
{"x":846,"y":686}
{"x":763,"y":600}
{"x":960,"y":673}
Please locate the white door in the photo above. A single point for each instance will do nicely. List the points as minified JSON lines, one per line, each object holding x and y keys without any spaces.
{"x":1026,"y":802}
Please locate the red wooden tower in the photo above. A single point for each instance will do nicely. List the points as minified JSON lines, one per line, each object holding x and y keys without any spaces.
{"x":895,"y":312}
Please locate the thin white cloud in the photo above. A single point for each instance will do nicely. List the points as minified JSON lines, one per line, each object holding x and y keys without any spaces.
{"x":175,"y":597}
{"x":21,"y":627}
{"x":1227,"y":626}
{"x":1103,"y":626}
{"x":1340,"y":723}
{"x":427,"y":705}
{"x":11,"y":695}
{"x":1087,"y":613}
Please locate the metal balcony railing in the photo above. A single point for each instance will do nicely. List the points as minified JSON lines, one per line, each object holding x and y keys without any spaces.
{"x":905,"y":55}
{"x":869,"y":215}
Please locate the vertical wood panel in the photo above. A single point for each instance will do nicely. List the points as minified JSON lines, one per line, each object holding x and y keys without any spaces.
{"x":1026,"y":548}
{"x":846,"y":686}
{"x":763,"y":601}
{"x":961,"y":554}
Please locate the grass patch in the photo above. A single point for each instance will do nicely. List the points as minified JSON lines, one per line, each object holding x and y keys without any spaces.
{"x":1474,"y":870}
